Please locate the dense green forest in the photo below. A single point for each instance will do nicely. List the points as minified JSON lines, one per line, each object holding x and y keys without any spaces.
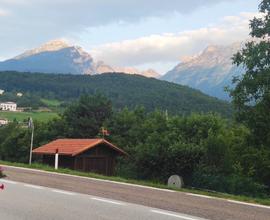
{"x":122,"y":89}
{"x":207,"y":150}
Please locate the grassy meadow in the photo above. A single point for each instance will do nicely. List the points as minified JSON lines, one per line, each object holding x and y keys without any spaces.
{"x":21,"y":116}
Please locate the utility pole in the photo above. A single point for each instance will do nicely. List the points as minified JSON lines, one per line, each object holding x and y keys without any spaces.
{"x":31,"y":125}
{"x":166,"y":115}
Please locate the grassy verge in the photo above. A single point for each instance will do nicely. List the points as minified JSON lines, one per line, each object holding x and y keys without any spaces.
{"x":262,"y":201}
{"x":21,"y":116}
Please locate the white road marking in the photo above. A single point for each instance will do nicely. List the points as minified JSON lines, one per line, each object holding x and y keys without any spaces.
{"x":198,"y":195}
{"x":116,"y":202}
{"x":63,"y":192}
{"x":249,"y":204}
{"x":107,"y":201}
{"x":229,"y":200}
{"x":8,"y":181}
{"x":33,"y":186}
{"x":174,"y":215}
{"x":128,"y":184}
{"x":90,"y":178}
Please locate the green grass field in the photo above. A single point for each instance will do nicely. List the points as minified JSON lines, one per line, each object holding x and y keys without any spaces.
{"x":51,"y":102}
{"x":21,"y":116}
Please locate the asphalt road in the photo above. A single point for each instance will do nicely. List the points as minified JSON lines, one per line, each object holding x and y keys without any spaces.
{"x":21,"y":201}
{"x":177,"y":202}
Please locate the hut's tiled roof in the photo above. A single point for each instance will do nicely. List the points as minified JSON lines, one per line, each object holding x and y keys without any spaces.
{"x":73,"y":147}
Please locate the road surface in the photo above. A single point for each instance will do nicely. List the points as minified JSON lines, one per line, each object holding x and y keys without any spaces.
{"x":29,"y":202}
{"x":176,"y":202}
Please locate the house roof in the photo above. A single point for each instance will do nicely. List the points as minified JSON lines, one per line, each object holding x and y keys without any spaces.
{"x":8,"y":103}
{"x":73,"y":147}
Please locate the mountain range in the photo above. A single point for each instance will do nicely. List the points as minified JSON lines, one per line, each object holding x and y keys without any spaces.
{"x":59,"y":57}
{"x":209,"y":71}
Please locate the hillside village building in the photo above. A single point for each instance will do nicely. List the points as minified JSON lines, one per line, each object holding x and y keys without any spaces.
{"x":2,"y":92}
{"x":3,"y":122}
{"x":8,"y":106}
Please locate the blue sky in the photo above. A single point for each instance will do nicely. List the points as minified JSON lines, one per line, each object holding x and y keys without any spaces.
{"x":145,"y":34}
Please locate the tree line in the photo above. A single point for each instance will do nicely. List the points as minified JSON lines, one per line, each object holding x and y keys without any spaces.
{"x":208,"y":151}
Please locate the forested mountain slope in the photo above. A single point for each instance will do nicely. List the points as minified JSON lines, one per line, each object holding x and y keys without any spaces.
{"x":122,"y":89}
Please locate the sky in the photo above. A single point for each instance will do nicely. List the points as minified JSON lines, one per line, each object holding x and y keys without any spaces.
{"x":153,"y":34}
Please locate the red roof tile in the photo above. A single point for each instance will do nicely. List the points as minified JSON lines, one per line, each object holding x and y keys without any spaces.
{"x":73,"y":147}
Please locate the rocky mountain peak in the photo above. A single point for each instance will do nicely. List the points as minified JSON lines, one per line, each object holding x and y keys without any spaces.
{"x":151,"y":73}
{"x":210,"y":71}
{"x":54,"y":45}
{"x":211,"y":56}
{"x":50,"y":46}
{"x":57,"y":56}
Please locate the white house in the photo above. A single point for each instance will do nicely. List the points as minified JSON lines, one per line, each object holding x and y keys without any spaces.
{"x":8,"y":106}
{"x":2,"y":92}
{"x":19,"y":94}
{"x":3,"y":121}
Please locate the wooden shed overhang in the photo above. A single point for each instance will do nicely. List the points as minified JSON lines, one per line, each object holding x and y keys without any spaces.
{"x":74,"y":147}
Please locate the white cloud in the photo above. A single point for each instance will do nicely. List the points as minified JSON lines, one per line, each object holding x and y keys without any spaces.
{"x":169,"y":47}
{"x":31,"y":22}
{"x":52,"y":18}
{"x":3,"y":12}
{"x":105,"y":10}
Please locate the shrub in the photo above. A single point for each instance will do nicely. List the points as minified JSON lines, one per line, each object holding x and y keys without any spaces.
{"x":232,"y":183}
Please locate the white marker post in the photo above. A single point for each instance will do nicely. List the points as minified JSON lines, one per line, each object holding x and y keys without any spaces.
{"x":56,"y":159}
{"x":31,"y":125}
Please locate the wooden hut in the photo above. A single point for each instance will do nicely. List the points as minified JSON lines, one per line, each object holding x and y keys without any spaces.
{"x":88,"y":155}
